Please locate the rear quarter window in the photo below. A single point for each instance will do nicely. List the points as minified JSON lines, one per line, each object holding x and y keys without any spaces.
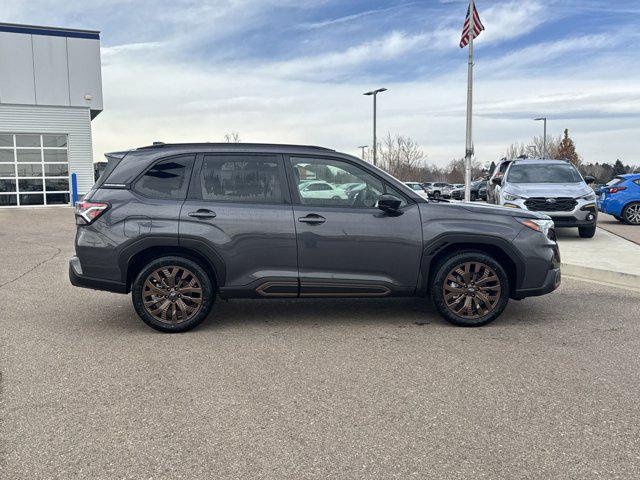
{"x":166,"y":179}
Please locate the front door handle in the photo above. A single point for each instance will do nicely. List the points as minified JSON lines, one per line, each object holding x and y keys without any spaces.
{"x":313,"y":219}
{"x":202,"y":213}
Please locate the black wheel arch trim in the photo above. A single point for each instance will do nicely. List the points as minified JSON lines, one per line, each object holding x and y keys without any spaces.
{"x":172,"y":241}
{"x":450,"y":240}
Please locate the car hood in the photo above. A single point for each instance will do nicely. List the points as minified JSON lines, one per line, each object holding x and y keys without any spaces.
{"x":548,"y":189}
{"x":496,"y":210}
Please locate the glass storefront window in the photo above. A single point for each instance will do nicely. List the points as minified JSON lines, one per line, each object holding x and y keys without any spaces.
{"x":41,"y":162}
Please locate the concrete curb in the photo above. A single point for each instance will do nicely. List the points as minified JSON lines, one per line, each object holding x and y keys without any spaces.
{"x":599,"y":275}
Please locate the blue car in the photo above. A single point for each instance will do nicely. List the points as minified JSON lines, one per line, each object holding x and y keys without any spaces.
{"x":621,"y":198}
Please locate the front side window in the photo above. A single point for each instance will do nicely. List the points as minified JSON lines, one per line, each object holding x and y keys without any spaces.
{"x":167,"y":179}
{"x":331,"y":182}
{"x":541,"y":173}
{"x":241,"y":178}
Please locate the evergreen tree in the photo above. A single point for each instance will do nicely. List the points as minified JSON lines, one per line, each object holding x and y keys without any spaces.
{"x":619,"y":168}
{"x":567,"y":150}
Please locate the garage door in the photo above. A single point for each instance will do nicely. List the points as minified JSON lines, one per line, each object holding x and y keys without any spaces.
{"x":34,"y":169}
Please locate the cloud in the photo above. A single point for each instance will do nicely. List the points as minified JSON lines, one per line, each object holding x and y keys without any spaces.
{"x":514,"y":19}
{"x":294,"y":72}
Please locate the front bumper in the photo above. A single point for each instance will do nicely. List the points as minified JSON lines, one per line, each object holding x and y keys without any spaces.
{"x":551,"y":282}
{"x":79,"y":280}
{"x":584,"y":214}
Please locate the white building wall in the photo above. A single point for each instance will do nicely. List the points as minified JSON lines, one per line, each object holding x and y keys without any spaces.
{"x":16,"y":68}
{"x":73,"y":121}
{"x":41,"y":69}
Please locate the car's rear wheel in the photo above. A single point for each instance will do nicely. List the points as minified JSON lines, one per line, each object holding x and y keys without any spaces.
{"x":172,"y":294}
{"x":631,"y":213}
{"x":470,"y":289}
{"x":586,"y":232}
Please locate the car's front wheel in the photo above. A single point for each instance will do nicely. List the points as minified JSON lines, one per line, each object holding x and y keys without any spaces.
{"x":470,"y":289}
{"x":586,"y":232}
{"x":631,"y":213}
{"x":172,"y":294}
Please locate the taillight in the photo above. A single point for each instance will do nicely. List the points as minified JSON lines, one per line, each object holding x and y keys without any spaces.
{"x":87,"y":212}
{"x":616,"y":189}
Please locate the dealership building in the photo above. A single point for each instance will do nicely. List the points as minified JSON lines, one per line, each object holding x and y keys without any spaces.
{"x":50,"y":90}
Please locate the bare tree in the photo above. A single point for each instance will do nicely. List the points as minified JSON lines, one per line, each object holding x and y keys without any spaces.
{"x":401,"y":156}
{"x":232,"y":137}
{"x":535,"y":148}
{"x":456,"y":170}
{"x":516,"y":150}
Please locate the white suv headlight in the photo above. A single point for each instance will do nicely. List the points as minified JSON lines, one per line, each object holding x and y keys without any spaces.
{"x":511,"y":196}
{"x":588,"y":196}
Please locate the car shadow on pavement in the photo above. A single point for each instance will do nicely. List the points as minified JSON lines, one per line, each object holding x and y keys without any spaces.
{"x":237,"y":314}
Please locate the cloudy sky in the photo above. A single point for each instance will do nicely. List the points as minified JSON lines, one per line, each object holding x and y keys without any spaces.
{"x":293,"y":71}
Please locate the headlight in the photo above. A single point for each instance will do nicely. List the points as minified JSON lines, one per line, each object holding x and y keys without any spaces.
{"x":511,"y":196}
{"x":588,"y":196}
{"x":539,"y":225}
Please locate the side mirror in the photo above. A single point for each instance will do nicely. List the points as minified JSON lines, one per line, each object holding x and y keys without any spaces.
{"x":589,"y":179}
{"x":389,"y":204}
{"x":497,"y":180}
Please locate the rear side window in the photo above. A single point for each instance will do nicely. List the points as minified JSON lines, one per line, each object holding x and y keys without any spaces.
{"x":615,"y":181}
{"x":241,"y":178}
{"x":166,"y":179}
{"x":637,"y":181}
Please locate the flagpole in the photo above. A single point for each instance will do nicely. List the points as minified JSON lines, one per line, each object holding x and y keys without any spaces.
{"x":469,"y":143}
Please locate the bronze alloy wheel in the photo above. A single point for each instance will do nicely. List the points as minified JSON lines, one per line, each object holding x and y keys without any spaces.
{"x":172,"y":294}
{"x":471,"y":290}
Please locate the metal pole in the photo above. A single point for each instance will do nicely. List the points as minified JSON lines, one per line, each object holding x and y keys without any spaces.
{"x":375,"y":145}
{"x":544,"y":139}
{"x":469,"y":142}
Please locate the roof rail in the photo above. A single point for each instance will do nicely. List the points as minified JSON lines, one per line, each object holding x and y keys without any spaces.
{"x":234,"y":145}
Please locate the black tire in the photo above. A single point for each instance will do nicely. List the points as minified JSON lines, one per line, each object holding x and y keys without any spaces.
{"x":620,"y":219}
{"x":630,"y":213}
{"x":436,"y":194}
{"x":495,"y":290}
{"x":195,"y":305}
{"x":587,"y":232}
{"x":474,"y":197}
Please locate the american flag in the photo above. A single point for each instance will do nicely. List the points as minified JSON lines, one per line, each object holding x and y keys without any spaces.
{"x":477,"y":26}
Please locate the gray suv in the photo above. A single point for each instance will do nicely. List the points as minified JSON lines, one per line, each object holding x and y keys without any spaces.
{"x":552,"y":187}
{"x":179,"y":225}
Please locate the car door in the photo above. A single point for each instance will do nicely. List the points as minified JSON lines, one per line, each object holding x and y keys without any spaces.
{"x":347,"y":246}
{"x":239,"y":211}
{"x":493,"y":188}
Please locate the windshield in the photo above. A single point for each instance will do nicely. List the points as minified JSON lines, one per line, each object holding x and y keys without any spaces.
{"x":540,"y":173}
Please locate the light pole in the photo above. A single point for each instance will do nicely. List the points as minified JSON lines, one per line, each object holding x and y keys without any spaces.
{"x":362,"y":147}
{"x":375,"y":144}
{"x":544,"y":136}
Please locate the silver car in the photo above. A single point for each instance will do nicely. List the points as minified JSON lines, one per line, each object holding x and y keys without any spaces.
{"x":552,"y":187}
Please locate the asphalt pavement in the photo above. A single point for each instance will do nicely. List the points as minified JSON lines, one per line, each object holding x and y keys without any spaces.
{"x":318,"y":389}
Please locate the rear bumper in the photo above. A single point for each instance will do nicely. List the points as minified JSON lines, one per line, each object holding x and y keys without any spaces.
{"x":551,"y":282}
{"x":79,"y":280}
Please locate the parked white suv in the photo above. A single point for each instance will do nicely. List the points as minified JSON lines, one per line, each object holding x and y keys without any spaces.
{"x":552,"y":187}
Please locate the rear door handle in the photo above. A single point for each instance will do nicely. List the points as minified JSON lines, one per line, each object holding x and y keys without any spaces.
{"x":202,"y":213}
{"x":312,"y":219}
